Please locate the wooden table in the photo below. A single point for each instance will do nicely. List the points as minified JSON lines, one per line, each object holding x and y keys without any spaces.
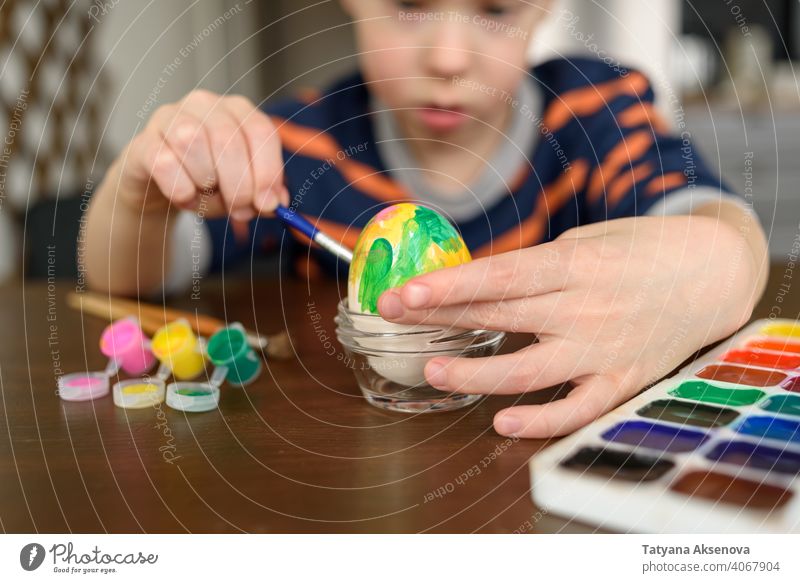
{"x":298,"y":451}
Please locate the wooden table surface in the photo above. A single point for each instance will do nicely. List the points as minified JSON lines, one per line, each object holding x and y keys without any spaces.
{"x":297,"y":451}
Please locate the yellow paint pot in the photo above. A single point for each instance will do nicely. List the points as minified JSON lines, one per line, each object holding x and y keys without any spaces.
{"x":179,"y":349}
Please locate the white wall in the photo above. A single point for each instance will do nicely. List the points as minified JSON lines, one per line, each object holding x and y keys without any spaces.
{"x":637,"y":33}
{"x":205,"y":41}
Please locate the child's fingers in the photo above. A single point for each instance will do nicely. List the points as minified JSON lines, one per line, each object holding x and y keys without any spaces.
{"x":187,"y":138}
{"x":158,"y":162}
{"x":539,"y":366}
{"x":530,"y":272}
{"x":266,"y":159}
{"x":184,"y":135}
{"x":530,"y":314}
{"x":209,"y":205}
{"x":171,"y":177}
{"x":228,"y":150}
{"x":585,"y":403}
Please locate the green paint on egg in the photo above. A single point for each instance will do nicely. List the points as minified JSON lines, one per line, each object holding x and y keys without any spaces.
{"x":438,"y":229}
{"x":399,"y":243}
{"x":375,"y":277}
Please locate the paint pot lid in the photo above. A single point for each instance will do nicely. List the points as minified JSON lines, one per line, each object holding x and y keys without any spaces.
{"x":83,"y":386}
{"x":139,"y":393}
{"x":193,"y":397}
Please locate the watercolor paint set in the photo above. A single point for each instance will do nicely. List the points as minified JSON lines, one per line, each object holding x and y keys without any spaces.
{"x":180,"y":353}
{"x":715,"y":448}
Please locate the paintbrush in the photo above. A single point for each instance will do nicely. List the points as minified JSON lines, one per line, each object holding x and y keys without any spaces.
{"x":293,"y":219}
{"x":152,"y":317}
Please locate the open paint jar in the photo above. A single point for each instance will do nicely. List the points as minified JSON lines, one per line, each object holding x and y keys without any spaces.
{"x":83,"y":386}
{"x":193,"y":397}
{"x":126,"y":347}
{"x":197,"y":397}
{"x":139,"y":393}
{"x":389,"y":359}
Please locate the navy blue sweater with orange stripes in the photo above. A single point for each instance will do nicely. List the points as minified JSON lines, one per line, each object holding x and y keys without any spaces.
{"x":605,"y":153}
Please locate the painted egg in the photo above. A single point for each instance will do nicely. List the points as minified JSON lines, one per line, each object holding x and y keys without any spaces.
{"x":399,"y":243}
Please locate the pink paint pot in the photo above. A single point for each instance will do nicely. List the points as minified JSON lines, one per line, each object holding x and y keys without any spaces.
{"x":124,"y":342}
{"x":83,"y":386}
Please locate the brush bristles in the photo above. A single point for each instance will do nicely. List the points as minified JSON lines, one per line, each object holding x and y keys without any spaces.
{"x":279,"y":346}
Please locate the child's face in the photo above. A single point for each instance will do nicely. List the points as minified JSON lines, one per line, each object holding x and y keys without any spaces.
{"x":466,"y":57}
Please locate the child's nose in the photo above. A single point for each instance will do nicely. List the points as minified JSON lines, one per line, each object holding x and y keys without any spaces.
{"x":449,"y":52}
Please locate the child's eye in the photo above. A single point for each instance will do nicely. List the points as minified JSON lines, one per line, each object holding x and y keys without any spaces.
{"x":409,"y":4}
{"x":496,"y":10}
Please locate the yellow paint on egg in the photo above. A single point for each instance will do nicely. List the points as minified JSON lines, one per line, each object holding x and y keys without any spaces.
{"x":399,"y":243}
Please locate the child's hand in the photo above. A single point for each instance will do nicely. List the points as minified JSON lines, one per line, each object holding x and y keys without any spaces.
{"x":206,"y":152}
{"x":615,"y":306}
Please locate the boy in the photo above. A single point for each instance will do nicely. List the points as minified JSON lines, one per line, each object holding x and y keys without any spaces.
{"x":591,"y":226}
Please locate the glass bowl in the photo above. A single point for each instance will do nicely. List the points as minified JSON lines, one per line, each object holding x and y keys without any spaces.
{"x":389,"y":359}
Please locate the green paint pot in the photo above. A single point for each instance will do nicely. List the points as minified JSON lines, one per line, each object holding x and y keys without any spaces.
{"x":229,"y":348}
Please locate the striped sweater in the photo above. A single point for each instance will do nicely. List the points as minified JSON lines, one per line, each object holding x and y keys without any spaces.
{"x":602,"y":152}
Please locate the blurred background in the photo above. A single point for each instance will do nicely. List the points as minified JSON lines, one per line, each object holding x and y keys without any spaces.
{"x":81,"y":77}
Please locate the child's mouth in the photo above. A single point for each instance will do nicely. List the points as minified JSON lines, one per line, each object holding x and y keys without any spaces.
{"x":438,"y":118}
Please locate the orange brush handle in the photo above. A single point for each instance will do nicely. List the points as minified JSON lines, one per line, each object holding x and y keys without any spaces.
{"x":150,"y":317}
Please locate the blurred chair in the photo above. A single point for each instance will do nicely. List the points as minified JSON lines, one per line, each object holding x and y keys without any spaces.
{"x":9,"y":246}
{"x":51,"y":235}
{"x":50,"y":110}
